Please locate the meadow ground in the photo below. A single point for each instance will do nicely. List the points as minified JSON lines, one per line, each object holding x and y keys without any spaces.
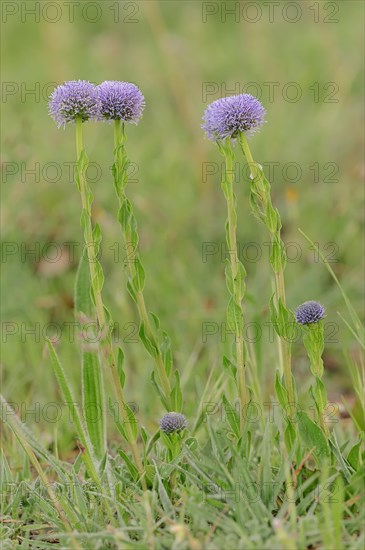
{"x":304,"y":61}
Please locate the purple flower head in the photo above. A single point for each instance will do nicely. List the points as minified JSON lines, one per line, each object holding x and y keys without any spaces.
{"x":228,"y":116}
{"x":73,"y":99}
{"x":309,"y":312}
{"x":173,"y":422}
{"x":120,"y":101}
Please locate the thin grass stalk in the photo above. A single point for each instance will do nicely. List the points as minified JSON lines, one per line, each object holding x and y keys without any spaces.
{"x":22,"y":436}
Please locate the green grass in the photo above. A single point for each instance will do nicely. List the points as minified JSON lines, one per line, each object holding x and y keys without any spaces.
{"x":202,"y":499}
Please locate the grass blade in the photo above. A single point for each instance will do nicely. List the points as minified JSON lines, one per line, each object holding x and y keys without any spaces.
{"x":358,"y":327}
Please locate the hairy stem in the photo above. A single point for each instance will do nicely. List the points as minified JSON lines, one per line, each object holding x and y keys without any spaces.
{"x":235,"y":278}
{"x":130,"y":240}
{"x":104,"y":327}
{"x":263,"y":190}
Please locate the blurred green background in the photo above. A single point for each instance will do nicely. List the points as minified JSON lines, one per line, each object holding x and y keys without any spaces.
{"x":182,"y":55}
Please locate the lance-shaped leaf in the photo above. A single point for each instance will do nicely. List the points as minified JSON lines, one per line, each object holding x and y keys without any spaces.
{"x":92,"y":378}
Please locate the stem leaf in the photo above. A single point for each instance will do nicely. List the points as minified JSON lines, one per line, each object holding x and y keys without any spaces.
{"x":93,"y":401}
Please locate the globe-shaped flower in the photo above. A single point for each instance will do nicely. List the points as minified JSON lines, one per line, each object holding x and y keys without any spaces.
{"x":309,"y":312}
{"x":228,"y":116}
{"x":173,"y":422}
{"x":72,"y":100}
{"x":120,"y":101}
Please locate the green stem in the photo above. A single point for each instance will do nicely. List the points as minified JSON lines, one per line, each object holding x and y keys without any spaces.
{"x":106,"y":340}
{"x":284,"y":344}
{"x":285,"y":355}
{"x":236,"y":285}
{"x":88,"y":234}
{"x":121,"y":163}
{"x":314,"y":344}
